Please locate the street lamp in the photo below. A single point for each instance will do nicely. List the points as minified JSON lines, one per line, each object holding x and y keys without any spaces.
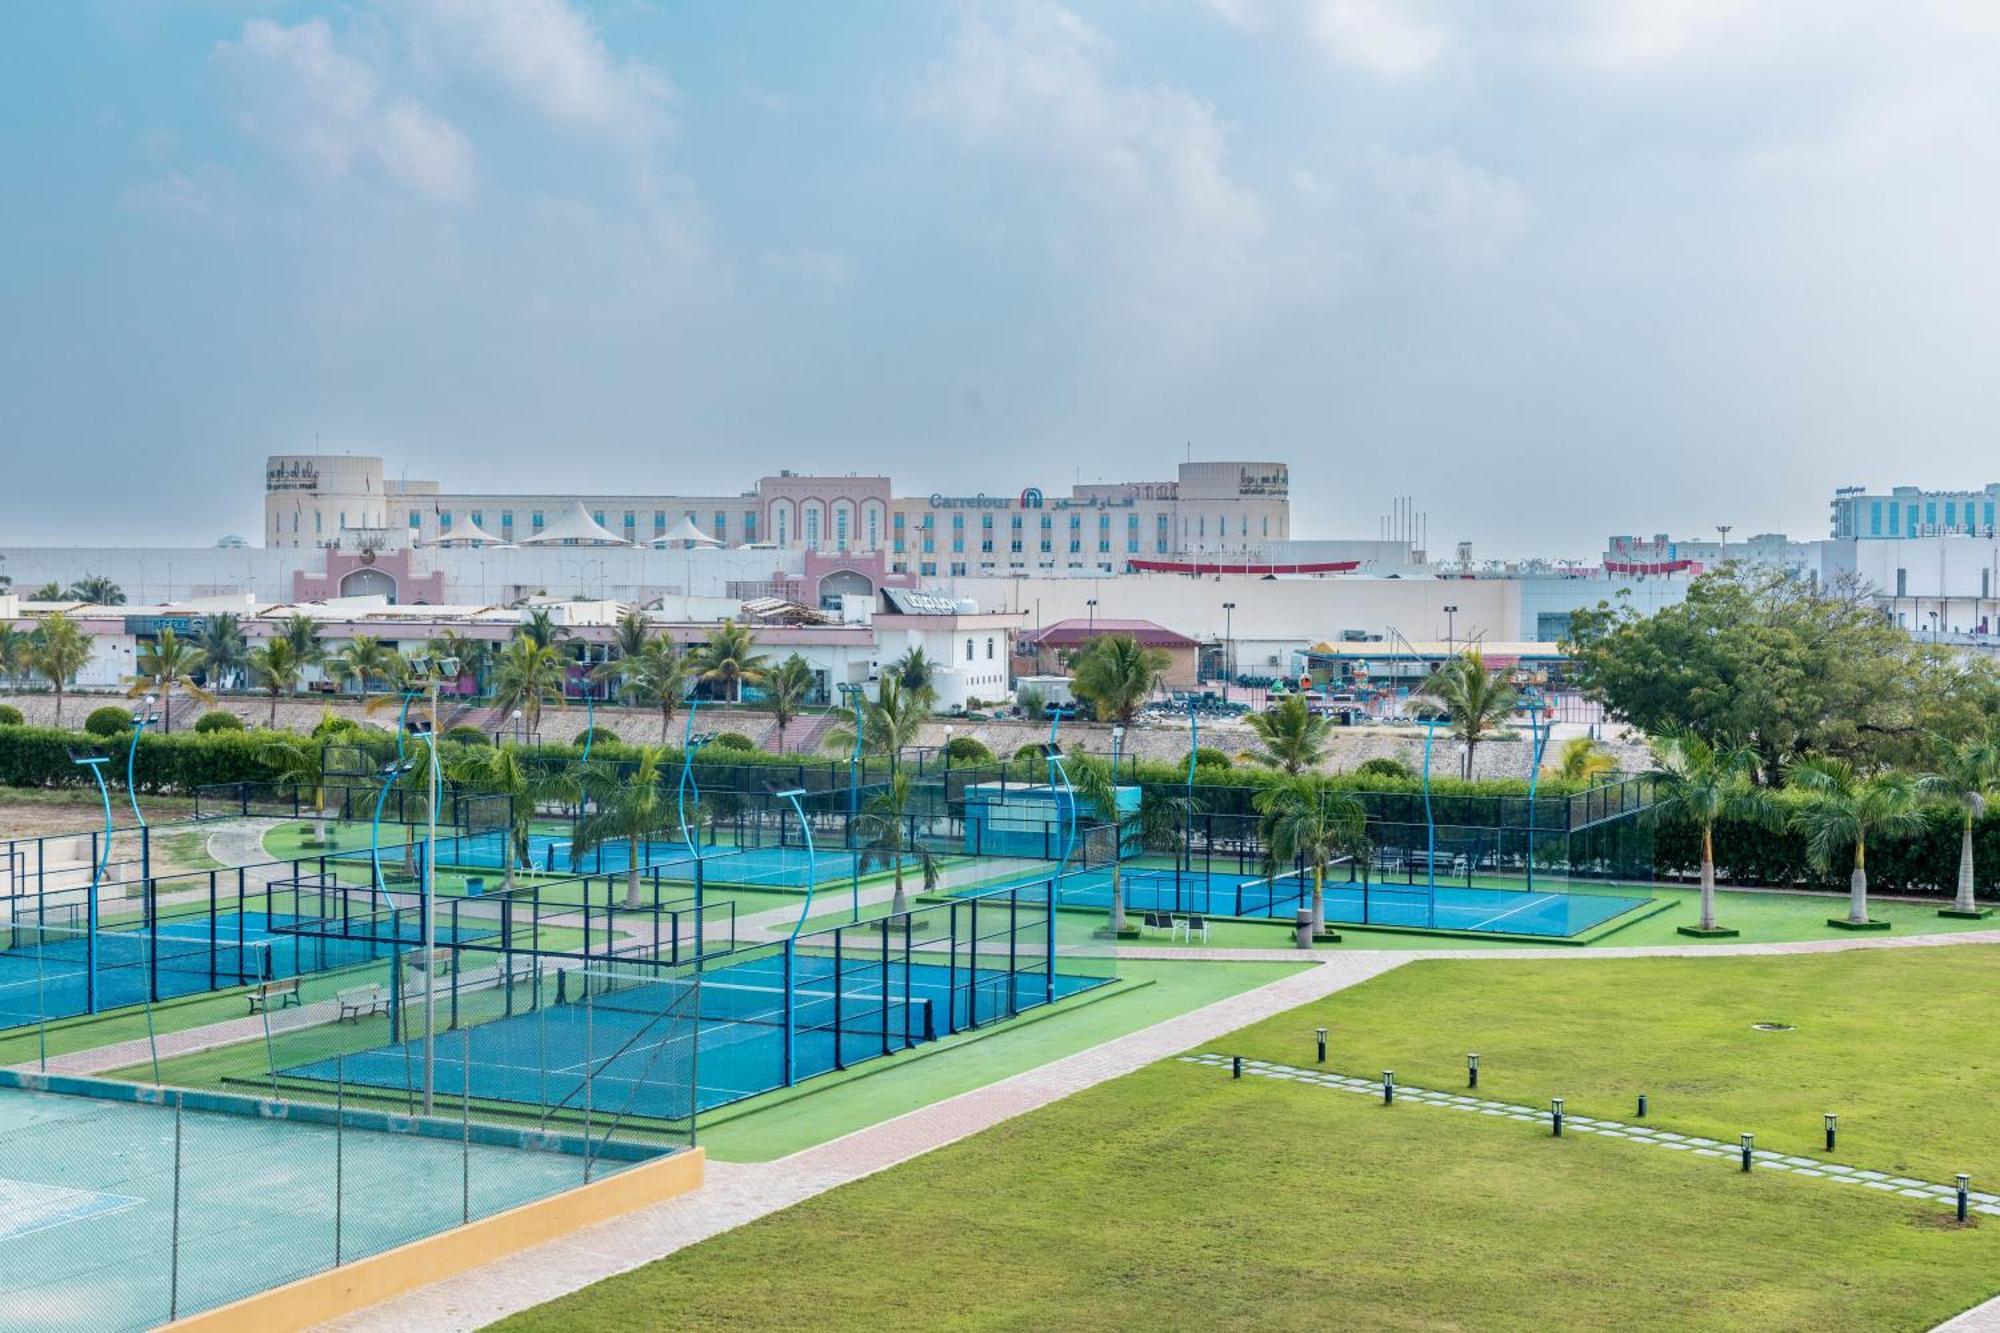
{"x":947,"y":748}
{"x":1091,"y":602}
{"x":517,"y":726}
{"x":1450,"y":629}
{"x":1228,"y":647}
{"x":1722,"y":530}
{"x":854,"y":695}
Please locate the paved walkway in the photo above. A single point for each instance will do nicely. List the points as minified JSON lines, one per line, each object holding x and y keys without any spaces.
{"x":740,"y":1193}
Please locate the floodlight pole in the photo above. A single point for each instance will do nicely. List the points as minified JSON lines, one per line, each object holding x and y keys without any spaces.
{"x":1187,"y":811}
{"x":812,"y":866}
{"x":854,"y":694}
{"x":1539,"y":730}
{"x":1430,"y":823}
{"x":430,"y":909}
{"x":381,"y":890}
{"x":95,"y":764}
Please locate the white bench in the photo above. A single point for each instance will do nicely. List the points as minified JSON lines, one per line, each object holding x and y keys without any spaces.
{"x":280,"y":994}
{"x":360,"y":1001}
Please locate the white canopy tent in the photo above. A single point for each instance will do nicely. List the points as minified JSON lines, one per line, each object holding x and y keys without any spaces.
{"x":685,"y":531}
{"x":467,"y":533}
{"x":576,"y":528}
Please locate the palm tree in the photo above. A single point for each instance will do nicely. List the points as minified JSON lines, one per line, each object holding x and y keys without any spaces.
{"x":1584,"y":760}
{"x":49,"y":592}
{"x":169,"y":663}
{"x":1703,"y":784}
{"x":917,"y":675}
{"x":1159,"y":823}
{"x":302,"y":632}
{"x":1302,"y":822}
{"x":1843,"y":807}
{"x":224,"y":649}
{"x":627,"y":643}
{"x":1968,"y":770}
{"x":786,"y":688}
{"x":97,"y":590}
{"x":526,"y":675}
{"x":59,"y":650}
{"x":626,"y":801}
{"x":1293,"y":736}
{"x":727,"y":658}
{"x":658,"y":675}
{"x":503,"y":770}
{"x":276,"y":668}
{"x":299,"y":761}
{"x":540,"y":628}
{"x":890,"y":723}
{"x":883,"y":836}
{"x":1116,"y":676}
{"x":16,"y":653}
{"x":1476,"y":700}
{"x":363,"y":657}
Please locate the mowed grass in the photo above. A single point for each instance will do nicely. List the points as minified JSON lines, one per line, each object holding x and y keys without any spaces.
{"x":1176,"y":1198}
{"x":1899,"y":1043}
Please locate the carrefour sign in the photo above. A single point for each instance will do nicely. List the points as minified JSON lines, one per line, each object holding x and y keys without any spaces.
{"x":980,"y":501}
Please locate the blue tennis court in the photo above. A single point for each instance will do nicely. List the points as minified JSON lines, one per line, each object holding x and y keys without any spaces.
{"x":785,"y":867}
{"x":44,"y":968}
{"x":1553,"y":912}
{"x":635,"y":1037}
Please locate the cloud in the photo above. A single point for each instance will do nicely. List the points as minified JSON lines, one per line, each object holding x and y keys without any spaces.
{"x":327,"y":114}
{"x":1389,"y":39}
{"x":549,"y":57}
{"x":1144,"y":164}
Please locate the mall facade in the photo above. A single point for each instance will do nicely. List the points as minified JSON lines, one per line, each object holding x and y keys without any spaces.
{"x":1210,"y":511}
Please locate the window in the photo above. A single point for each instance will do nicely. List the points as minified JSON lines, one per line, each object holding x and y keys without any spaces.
{"x":989,"y":649}
{"x":750,"y":526}
{"x":343,"y":520}
{"x":874,"y":526}
{"x":1131,"y":545}
{"x":1045,"y":546}
{"x":317,"y":521}
{"x":416,"y":519}
{"x":840,"y":529}
{"x":1267,"y":525}
{"x":597,"y":517}
{"x":958,"y":522}
{"x":478,"y":518}
{"x":1989,"y":513}
{"x":968,"y":650}
{"x":812,"y":529}
{"x":1930,"y":513}
{"x":659,"y":520}
{"x":928,"y":567}
{"x":986,"y":522}
{"x":781,"y":527}
{"x":1951,"y":513}
{"x":1075,"y":546}
{"x":986,"y":546}
{"x":1048,"y":521}
{"x":1895,"y":518}
{"x":721,"y":526}
{"x":958,"y":568}
{"x":1902,"y":583}
{"x":444,"y":520}
{"x":1015,"y":523}
{"x":958,"y":543}
{"x":930,"y":544}
{"x":1875,"y":519}
{"x":536,"y":519}
{"x":1015,"y":546}
{"x":631,"y":521}
{"x":930,"y":520}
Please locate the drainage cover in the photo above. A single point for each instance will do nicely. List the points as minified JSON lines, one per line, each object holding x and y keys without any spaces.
{"x":1772,"y":1027}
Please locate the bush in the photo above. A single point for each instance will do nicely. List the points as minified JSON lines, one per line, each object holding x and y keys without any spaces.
{"x":468,"y":736}
{"x":967,"y":749}
{"x":599,"y":736}
{"x":733,"y":740}
{"x":108,"y":720}
{"x":1383,"y":767}
{"x":332,"y":724}
{"x":11,"y":716}
{"x":1035,"y":750}
{"x":1207,"y":758}
{"x":218,"y":721}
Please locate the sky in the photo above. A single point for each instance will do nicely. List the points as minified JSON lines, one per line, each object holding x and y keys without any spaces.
{"x":1554,"y":268}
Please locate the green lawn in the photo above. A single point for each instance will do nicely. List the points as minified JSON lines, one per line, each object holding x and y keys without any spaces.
{"x":1898,"y":1043}
{"x":1176,"y":1198}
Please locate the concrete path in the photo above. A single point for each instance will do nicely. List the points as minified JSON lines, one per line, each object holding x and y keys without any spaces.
{"x":740,"y":1193}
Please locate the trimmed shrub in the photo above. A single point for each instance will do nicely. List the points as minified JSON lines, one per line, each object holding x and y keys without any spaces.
{"x":1207,"y":758}
{"x":1383,"y":767}
{"x":468,"y":736}
{"x":11,"y":716}
{"x":1034,"y":750}
{"x":108,"y":720}
{"x":218,"y":721}
{"x":599,"y":736}
{"x":333,"y":724}
{"x":967,"y":749}
{"x":733,"y":740}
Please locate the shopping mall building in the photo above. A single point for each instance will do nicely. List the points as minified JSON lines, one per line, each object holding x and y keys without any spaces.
{"x":1210,"y":511}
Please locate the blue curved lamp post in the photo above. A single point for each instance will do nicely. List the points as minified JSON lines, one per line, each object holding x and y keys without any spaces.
{"x":1539,"y":729}
{"x":1065,"y":802}
{"x":132,"y":794}
{"x":812,"y":860}
{"x":95,"y":763}
{"x":1187,"y":814}
{"x":1430,"y":823}
{"x":854,"y":694}
{"x":389,"y":775}
{"x":689,"y":744}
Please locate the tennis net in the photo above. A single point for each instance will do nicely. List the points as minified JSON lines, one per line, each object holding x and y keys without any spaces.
{"x":857,"y":1013}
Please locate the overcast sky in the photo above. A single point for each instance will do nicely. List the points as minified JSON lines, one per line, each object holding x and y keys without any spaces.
{"x":1556,"y":268}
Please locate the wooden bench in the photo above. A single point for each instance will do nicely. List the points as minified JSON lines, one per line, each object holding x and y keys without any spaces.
{"x":274,"y":994}
{"x":359,"y":1001}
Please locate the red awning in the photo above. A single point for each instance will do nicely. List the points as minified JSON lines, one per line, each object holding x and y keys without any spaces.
{"x":1655,"y":567}
{"x":1208,"y":567}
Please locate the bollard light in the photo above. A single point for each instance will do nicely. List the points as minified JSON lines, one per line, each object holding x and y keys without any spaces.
{"x":1642,"y":1106}
{"x":1236,"y":1066}
{"x":1321,"y":1032}
{"x":1556,"y":1116}
{"x":1472,"y":1070}
{"x":1832,"y":1126}
{"x":1749,"y":1142}
{"x":1964,"y":1203}
{"x":1388,"y":1087}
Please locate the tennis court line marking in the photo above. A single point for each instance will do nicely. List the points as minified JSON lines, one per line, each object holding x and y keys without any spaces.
{"x":1521,"y":907}
{"x":1765,"y":1159}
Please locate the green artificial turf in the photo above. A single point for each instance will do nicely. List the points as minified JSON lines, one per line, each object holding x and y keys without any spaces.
{"x":1897,"y":1042}
{"x":1175,"y":1198}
